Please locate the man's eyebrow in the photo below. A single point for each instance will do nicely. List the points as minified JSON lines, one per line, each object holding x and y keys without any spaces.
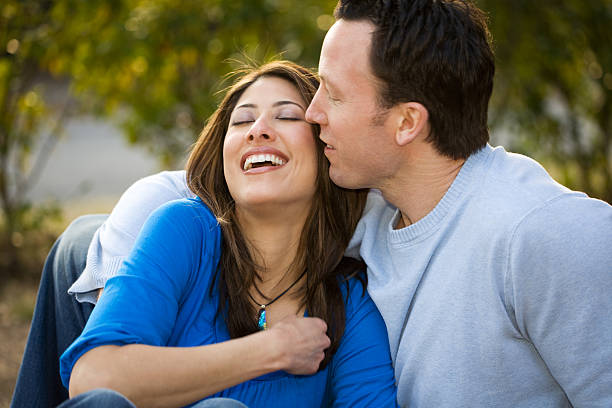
{"x":329,"y":86}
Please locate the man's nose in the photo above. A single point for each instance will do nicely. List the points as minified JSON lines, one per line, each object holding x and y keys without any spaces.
{"x":314,"y":113}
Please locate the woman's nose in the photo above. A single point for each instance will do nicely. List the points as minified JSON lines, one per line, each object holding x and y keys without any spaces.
{"x":261,"y":130}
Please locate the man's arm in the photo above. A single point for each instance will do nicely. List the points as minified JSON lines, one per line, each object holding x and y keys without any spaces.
{"x":114,"y":240}
{"x":559,"y":283}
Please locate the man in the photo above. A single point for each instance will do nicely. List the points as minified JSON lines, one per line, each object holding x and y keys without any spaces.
{"x":493,"y":280}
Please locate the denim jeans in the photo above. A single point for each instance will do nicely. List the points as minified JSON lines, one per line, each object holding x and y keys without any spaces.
{"x":58,"y":318}
{"x":103,"y":398}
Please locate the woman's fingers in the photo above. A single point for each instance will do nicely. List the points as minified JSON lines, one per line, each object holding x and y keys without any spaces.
{"x":302,"y":342}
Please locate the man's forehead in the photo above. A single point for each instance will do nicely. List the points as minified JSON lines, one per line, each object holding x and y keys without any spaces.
{"x":345,"y":53}
{"x":347,"y":36}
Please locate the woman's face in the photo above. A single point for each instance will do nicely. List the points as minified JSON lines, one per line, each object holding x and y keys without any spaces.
{"x":269,"y":152}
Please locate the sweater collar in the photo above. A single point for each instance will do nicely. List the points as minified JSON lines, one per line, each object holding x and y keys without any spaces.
{"x":428,"y":224}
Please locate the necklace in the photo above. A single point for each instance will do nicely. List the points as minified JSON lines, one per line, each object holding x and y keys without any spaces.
{"x":261,"y":314}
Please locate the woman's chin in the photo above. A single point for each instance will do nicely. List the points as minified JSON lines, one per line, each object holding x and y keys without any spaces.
{"x":272,"y":202}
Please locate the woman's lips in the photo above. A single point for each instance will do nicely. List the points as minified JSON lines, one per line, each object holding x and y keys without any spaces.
{"x":262,"y":159}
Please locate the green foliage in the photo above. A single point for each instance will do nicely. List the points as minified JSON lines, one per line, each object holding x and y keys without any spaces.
{"x":155,"y":67}
{"x":24,"y":111}
{"x":553,"y":87}
{"x":24,"y":246}
{"x":161,"y":61}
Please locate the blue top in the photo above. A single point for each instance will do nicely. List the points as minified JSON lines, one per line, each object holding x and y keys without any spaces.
{"x":169,"y":274}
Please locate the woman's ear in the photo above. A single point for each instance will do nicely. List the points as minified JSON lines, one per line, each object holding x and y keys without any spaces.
{"x":412,"y":119}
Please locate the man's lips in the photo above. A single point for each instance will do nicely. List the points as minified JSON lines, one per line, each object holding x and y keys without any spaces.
{"x":327,"y":145}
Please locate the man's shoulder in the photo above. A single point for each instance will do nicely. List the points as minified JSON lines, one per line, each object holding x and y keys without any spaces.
{"x":572,"y":215}
{"x":517,"y":188}
{"x":171,"y":182}
{"x":513,"y":175}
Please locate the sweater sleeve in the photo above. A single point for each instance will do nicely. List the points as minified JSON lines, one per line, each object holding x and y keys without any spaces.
{"x":140,"y":304}
{"x":113,"y":241}
{"x":559,"y":283}
{"x":361,"y":371}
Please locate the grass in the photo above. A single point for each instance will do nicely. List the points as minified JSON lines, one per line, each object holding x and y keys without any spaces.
{"x":18,"y":297}
{"x":17,"y":301}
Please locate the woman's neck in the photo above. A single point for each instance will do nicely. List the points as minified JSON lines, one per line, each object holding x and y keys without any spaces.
{"x":274,"y":240}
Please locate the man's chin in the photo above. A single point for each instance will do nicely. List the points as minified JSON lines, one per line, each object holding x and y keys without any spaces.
{"x":342,"y":179}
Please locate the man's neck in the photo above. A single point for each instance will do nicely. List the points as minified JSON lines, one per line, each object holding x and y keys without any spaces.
{"x":420,"y":185}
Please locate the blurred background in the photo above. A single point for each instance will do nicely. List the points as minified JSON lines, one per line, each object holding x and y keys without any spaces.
{"x":96,"y":94}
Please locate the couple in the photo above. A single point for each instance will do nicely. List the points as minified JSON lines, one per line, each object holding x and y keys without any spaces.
{"x":493,"y":281}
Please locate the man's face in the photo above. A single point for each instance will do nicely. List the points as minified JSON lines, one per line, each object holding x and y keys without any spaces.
{"x":356,"y":129}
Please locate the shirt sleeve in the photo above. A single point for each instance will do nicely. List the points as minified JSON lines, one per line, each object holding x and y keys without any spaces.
{"x":140,"y":304}
{"x":361,"y":371}
{"x":559,"y":283}
{"x":113,"y":241}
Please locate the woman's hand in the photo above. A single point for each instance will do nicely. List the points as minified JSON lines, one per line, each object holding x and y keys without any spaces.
{"x":301,"y":342}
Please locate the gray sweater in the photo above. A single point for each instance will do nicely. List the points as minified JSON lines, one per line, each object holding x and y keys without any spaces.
{"x":501,"y":296}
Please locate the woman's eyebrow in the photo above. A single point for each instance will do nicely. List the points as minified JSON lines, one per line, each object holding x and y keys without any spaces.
{"x":246,"y":105}
{"x":275,"y":104}
{"x":280,"y":103}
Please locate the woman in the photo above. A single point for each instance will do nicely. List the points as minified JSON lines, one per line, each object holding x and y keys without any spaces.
{"x":214,"y":299}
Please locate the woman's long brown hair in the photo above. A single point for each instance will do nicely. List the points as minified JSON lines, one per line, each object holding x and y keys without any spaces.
{"x":332,"y":220}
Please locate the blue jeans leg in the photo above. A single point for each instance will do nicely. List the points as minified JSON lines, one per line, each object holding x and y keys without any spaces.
{"x":100,"y":398}
{"x":58,"y":318}
{"x":219,"y":403}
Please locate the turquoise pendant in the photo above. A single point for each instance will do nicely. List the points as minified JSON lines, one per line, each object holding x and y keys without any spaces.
{"x":261,"y":318}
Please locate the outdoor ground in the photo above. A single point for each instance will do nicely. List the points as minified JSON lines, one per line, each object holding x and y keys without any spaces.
{"x":16,"y":305}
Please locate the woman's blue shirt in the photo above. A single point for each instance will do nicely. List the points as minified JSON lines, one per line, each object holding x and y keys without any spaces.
{"x":161,"y":297}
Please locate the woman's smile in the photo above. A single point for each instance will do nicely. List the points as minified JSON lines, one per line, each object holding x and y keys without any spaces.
{"x":262,"y":159}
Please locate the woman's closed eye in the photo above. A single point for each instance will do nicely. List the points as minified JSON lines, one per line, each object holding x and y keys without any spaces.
{"x":242,"y":118}
{"x":242,"y":122}
{"x":290,"y":113}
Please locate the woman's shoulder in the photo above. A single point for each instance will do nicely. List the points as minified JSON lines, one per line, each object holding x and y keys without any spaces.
{"x":186,"y":211}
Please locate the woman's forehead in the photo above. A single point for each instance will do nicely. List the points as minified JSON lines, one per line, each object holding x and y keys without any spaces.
{"x":269,"y":90}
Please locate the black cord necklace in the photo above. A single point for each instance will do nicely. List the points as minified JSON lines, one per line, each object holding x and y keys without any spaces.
{"x":261,"y":315}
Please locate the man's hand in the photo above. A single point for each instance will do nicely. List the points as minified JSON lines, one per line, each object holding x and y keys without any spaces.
{"x":301,"y":342}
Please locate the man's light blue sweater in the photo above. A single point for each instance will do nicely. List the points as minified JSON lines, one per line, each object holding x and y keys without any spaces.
{"x":501,"y":296}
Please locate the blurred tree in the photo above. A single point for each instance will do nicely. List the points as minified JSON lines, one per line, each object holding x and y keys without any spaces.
{"x":158,"y":63}
{"x":25,"y":117}
{"x":154,"y":66}
{"x":553,"y":86}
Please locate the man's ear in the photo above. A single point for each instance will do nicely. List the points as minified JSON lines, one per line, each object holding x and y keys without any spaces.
{"x":411,"y":120}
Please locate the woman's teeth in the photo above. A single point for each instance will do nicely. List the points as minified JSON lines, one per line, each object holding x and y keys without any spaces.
{"x":261,"y":159}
